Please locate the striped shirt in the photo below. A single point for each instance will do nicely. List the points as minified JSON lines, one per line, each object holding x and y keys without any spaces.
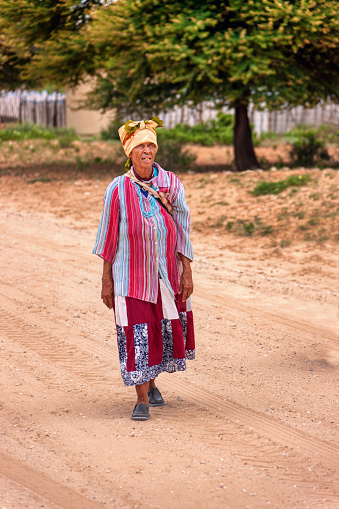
{"x":140,"y":238}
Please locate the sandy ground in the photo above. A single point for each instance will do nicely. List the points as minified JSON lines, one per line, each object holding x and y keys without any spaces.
{"x":252,"y":423}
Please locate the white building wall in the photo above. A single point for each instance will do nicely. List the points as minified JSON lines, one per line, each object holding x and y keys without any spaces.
{"x":82,"y":120}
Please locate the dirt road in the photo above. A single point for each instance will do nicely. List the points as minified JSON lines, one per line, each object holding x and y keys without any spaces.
{"x":252,"y":423}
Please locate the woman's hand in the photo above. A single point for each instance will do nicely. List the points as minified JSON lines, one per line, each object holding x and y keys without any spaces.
{"x":107,"y":290}
{"x":186,"y":280}
{"x":186,"y":285}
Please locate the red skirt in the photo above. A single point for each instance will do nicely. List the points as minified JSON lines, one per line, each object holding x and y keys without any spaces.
{"x":153,"y":338}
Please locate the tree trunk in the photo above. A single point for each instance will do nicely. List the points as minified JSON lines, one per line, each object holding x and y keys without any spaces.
{"x":245,"y":158}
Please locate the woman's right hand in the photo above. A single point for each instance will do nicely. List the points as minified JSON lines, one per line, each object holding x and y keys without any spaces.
{"x":107,"y":291}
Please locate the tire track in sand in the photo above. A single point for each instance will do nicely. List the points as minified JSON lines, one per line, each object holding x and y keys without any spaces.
{"x":275,"y":460}
{"x":257,"y":439}
{"x":231,"y":306}
{"x":262,"y":424}
{"x":56,"y":344}
{"x":41,"y":484}
{"x":90,"y":364}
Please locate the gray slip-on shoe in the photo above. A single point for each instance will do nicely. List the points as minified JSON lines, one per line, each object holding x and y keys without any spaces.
{"x":140,"y":412}
{"x":155,"y":398}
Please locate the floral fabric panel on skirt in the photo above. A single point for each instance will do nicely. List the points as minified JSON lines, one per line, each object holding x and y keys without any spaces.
{"x":153,"y":338}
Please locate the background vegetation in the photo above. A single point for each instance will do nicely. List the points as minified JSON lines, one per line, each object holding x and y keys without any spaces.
{"x":148,"y":55}
{"x":30,"y":131}
{"x":308,"y":146}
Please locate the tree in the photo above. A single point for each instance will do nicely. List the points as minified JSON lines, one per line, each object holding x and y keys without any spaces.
{"x":274,"y":53}
{"x":149,"y":55}
{"x":42,"y":42}
{"x":10,"y":64}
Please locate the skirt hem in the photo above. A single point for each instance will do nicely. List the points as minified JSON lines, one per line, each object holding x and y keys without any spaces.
{"x":133,"y":378}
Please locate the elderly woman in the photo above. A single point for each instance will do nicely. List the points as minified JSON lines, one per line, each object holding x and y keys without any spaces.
{"x":143,"y":239}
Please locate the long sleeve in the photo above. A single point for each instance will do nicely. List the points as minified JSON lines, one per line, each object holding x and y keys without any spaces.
{"x":182,"y":219}
{"x":107,"y":236}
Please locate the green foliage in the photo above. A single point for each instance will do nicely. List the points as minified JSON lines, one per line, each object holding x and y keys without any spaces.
{"x":66,"y":140}
{"x":111,"y":133}
{"x":40,"y":179}
{"x":249,"y":228}
{"x":308,"y":149}
{"x":269,"y":135}
{"x":42,"y":42}
{"x":103,"y":160}
{"x":315,"y":196}
{"x":328,"y":133}
{"x":274,"y":53}
{"x":220,"y":221}
{"x":172,"y":156}
{"x":10,"y":65}
{"x":219,"y":130}
{"x":325,"y":132}
{"x":149,"y":55}
{"x":29,"y":131}
{"x":285,"y":243}
{"x":264,"y":187}
{"x":223,"y":203}
{"x":267,"y":230}
{"x":300,"y":214}
{"x":314,"y":221}
{"x":80,"y":163}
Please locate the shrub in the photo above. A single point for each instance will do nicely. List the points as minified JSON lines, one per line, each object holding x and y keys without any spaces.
{"x":111,"y":133}
{"x":40,"y":179}
{"x":219,"y":130}
{"x":66,"y":141}
{"x":328,"y":133}
{"x":172,"y":156}
{"x":325,"y":132}
{"x":248,"y":228}
{"x":266,"y":230}
{"x":80,"y":163}
{"x":285,"y":243}
{"x":308,"y":149}
{"x":29,"y":131}
{"x":269,"y":135}
{"x":277,"y":187}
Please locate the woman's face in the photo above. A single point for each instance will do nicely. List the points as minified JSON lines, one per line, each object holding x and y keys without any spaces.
{"x":143,"y":156}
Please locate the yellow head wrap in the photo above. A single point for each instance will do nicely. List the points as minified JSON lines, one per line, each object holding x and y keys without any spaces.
{"x":133,"y":134}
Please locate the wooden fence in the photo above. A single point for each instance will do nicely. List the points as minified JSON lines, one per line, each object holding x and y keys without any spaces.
{"x":50,"y":110}
{"x":39,"y":108}
{"x":263,"y":121}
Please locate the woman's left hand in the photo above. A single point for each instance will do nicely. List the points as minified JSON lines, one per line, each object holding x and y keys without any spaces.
{"x":186,"y":281}
{"x":186,"y":285}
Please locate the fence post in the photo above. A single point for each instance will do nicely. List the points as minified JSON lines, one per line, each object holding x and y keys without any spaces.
{"x":182,"y":116}
{"x":20,"y":108}
{"x":55,"y":111}
{"x":34,"y":111}
{"x":46,"y":111}
{"x":64,"y":109}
